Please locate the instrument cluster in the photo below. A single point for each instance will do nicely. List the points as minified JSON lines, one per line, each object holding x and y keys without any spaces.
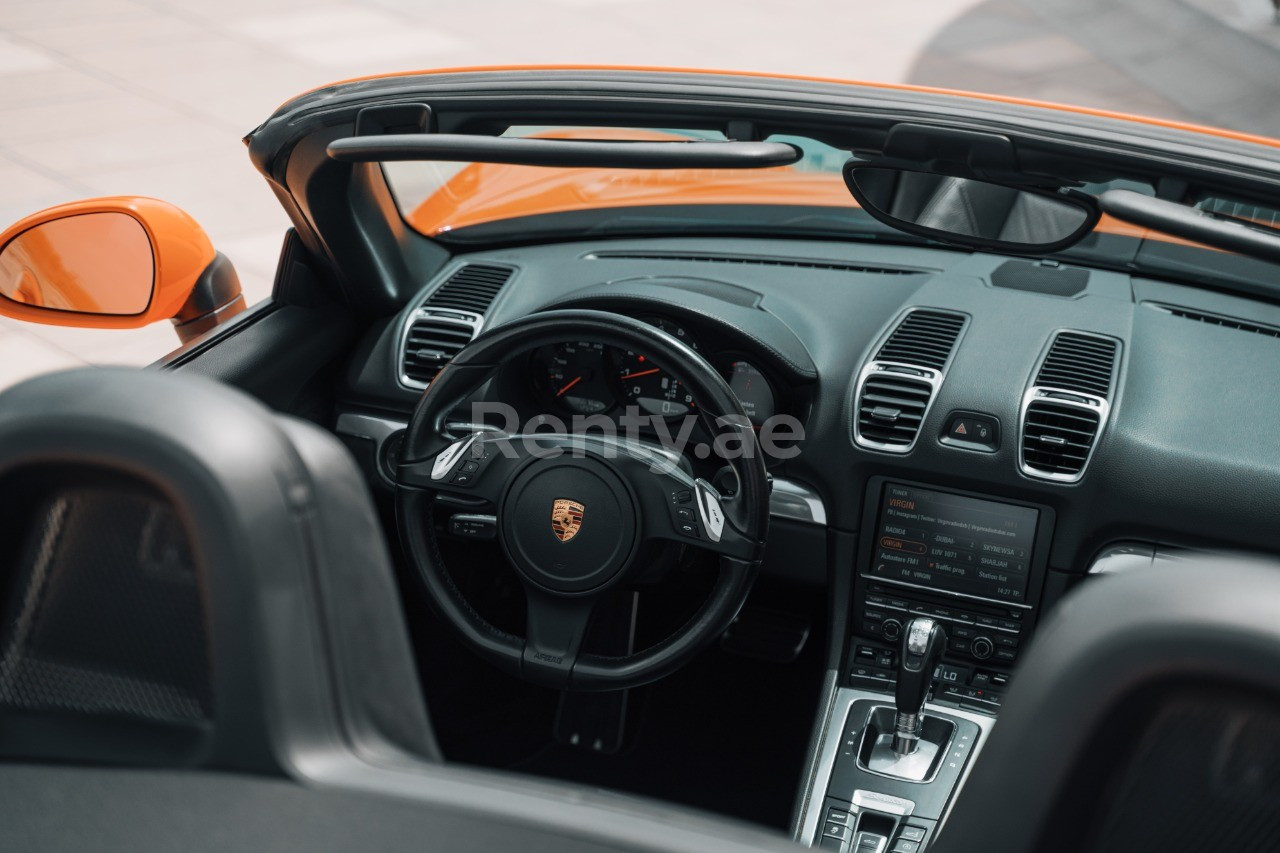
{"x":586,"y":378}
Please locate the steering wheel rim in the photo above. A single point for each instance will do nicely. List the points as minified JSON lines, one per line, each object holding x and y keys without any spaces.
{"x":559,"y":608}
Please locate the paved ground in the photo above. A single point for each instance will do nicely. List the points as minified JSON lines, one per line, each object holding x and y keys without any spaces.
{"x":152,"y":96}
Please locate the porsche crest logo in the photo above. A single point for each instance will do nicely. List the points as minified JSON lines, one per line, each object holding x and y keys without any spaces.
{"x":566,"y":518}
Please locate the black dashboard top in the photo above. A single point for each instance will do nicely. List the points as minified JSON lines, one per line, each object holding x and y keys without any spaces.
{"x":1186,"y":455}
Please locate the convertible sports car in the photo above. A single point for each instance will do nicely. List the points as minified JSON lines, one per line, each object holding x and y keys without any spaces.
{"x":660,"y":460}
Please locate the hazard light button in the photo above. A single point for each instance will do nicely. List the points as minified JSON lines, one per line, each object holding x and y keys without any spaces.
{"x":972,"y":430}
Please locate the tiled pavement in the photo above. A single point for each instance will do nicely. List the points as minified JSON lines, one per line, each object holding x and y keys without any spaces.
{"x":151,"y":97}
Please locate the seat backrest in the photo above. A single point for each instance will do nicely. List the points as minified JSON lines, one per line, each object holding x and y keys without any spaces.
{"x":190,"y":580}
{"x":193,"y":582}
{"x":1146,"y":716}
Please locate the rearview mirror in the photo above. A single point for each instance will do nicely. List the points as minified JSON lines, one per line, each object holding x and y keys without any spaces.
{"x":969,"y":212}
{"x":115,"y":263}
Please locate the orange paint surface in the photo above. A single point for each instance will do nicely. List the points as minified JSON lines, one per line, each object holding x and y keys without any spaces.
{"x":66,"y":262}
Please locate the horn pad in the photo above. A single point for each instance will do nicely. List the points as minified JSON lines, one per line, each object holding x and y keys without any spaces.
{"x":569,"y":524}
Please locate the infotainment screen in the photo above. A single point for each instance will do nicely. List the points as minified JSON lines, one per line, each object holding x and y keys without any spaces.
{"x":951,"y":542}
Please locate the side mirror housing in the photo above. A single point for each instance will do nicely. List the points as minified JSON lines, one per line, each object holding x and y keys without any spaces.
{"x":115,"y":263}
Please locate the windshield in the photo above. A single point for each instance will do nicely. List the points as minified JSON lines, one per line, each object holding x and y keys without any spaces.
{"x":484,"y":203}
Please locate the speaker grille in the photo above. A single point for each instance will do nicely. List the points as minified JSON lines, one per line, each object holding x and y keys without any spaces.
{"x":1204,"y":777}
{"x":104,"y":614}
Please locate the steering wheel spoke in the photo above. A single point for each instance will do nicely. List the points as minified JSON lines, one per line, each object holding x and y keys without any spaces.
{"x":473,"y":466}
{"x":554,"y":631}
{"x":694,"y":513}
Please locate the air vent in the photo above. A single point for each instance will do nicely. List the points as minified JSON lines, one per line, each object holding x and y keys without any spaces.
{"x":757,"y":260}
{"x":1078,"y":362}
{"x":1064,"y":410}
{"x":923,"y":338}
{"x":433,"y":339}
{"x":471,"y":288}
{"x":896,"y":388}
{"x":452,"y":315}
{"x":1218,"y":320}
{"x":891,"y":408}
{"x":1057,"y":438}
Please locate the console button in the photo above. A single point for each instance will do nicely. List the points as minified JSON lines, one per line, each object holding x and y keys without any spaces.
{"x":961,"y":632}
{"x":891,"y":630}
{"x":985,"y":621}
{"x":835,"y":830}
{"x":1006,"y":655}
{"x":981,"y":679}
{"x":865,"y":653}
{"x":905,"y":846}
{"x":1006,"y":641}
{"x":1008,"y":625}
{"x":912,"y":833}
{"x":982,"y":648}
{"x":837,"y":816}
{"x":884,"y":675}
{"x":960,"y":647}
{"x":948,"y":674}
{"x":884,"y":659}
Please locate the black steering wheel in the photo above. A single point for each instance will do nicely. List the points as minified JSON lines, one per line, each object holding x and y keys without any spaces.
{"x":575,"y":511}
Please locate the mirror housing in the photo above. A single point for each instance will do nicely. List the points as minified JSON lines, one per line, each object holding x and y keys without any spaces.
{"x":121,"y":262}
{"x":969,"y":212}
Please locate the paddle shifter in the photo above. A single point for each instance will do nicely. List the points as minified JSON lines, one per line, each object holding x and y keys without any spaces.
{"x":923,"y":641}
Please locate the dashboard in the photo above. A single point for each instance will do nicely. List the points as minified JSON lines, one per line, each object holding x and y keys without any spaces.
{"x":1066,"y":412}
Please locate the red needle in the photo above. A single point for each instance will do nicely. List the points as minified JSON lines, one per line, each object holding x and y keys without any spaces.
{"x":575,"y":381}
{"x":641,"y":373}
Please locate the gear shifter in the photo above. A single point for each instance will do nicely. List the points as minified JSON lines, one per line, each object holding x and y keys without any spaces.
{"x":923,"y":641}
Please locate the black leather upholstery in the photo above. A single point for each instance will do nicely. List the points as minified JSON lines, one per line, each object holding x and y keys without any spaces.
{"x":1146,"y":715}
{"x":292,"y":568}
{"x":314,"y":717}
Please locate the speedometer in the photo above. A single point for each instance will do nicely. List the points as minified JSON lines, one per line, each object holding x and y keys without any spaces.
{"x":650,"y":388}
{"x":646,"y":385}
{"x":572,"y":376}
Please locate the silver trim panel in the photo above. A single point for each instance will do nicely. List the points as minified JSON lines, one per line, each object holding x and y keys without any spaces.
{"x":797,"y":502}
{"x":829,"y":747}
{"x":879,"y":579}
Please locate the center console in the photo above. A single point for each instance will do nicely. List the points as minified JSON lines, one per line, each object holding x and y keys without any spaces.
{"x":966,"y":572}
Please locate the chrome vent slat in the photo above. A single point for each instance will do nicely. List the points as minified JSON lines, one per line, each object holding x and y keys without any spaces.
{"x":896,"y":389}
{"x":1064,"y":411}
{"x":448,"y":320}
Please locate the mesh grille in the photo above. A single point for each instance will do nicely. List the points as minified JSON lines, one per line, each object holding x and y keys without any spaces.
{"x":1205,"y":777}
{"x":103,"y":612}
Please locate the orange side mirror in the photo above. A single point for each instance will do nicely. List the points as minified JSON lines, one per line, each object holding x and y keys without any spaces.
{"x":115,"y":263}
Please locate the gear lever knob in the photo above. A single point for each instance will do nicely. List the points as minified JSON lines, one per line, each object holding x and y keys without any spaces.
{"x":923,"y":641}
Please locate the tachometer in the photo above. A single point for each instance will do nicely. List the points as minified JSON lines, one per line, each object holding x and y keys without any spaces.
{"x":653,"y":390}
{"x":646,"y":385}
{"x":573,"y":377}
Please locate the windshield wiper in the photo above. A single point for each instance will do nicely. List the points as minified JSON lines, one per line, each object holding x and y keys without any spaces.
{"x":524,"y":151}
